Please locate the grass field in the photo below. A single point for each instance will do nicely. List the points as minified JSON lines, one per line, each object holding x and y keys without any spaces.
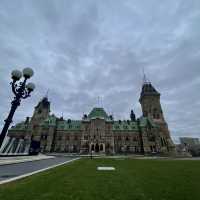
{"x":133,"y":179}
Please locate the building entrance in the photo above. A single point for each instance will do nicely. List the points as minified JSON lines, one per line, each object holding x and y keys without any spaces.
{"x":97,"y":148}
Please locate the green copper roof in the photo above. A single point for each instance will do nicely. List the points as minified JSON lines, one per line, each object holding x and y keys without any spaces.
{"x":72,"y":125}
{"x":144,"y":121}
{"x":98,"y":113}
{"x":125,"y":126}
{"x":49,"y":121}
{"x":132,"y":125}
{"x":20,"y":126}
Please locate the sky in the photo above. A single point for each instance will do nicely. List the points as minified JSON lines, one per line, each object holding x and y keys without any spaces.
{"x":81,"y":50}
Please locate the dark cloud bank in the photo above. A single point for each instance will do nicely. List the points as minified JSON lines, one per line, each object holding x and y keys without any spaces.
{"x":80,"y":50}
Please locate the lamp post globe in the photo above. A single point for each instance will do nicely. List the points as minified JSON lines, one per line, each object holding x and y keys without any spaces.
{"x":30,"y":87}
{"x":16,"y":74}
{"x":27,"y":72}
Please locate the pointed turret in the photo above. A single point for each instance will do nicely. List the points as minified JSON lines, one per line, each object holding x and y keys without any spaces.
{"x":148,"y":90}
{"x":132,"y":116}
{"x":44,"y":103}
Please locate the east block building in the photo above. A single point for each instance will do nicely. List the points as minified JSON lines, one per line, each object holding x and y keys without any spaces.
{"x":98,"y":131}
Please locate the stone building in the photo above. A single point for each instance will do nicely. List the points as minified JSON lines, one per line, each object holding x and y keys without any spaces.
{"x":98,"y":131}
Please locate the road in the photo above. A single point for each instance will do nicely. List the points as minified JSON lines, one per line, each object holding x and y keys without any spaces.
{"x":15,"y":170}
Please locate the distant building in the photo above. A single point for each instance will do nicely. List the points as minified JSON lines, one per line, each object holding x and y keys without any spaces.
{"x":98,"y":131}
{"x":189,"y":141}
{"x":189,"y":145}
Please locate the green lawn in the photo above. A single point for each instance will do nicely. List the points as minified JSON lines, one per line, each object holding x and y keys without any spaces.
{"x":133,"y":179}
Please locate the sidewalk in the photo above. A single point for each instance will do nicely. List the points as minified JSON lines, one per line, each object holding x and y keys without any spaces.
{"x":20,"y":159}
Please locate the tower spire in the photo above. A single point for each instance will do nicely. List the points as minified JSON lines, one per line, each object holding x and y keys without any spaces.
{"x":47,"y":93}
{"x":98,"y":101}
{"x":102,"y":102}
{"x":144,"y":76}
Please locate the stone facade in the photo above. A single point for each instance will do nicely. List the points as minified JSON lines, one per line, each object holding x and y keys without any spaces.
{"x":98,"y":131}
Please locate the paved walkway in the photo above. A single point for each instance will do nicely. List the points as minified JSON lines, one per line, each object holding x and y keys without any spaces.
{"x":19,"y":170}
{"x":19,"y":159}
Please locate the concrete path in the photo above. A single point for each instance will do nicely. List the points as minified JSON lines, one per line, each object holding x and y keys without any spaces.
{"x":20,"y":170}
{"x":19,"y":159}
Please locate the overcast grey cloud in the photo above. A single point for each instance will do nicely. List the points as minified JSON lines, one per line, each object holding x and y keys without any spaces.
{"x":80,"y":50}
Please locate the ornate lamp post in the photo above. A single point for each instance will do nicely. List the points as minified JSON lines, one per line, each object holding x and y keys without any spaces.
{"x":21,"y":90}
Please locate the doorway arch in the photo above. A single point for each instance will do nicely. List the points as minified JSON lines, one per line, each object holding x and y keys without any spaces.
{"x":101,"y":147}
{"x":97,"y":148}
{"x":92,"y":147}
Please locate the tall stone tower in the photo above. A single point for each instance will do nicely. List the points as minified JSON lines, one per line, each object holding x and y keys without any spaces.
{"x":151,"y":107}
{"x":41,"y":111}
{"x":150,"y":102}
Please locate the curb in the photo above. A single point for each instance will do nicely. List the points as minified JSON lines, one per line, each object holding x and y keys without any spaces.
{"x":35,"y":172}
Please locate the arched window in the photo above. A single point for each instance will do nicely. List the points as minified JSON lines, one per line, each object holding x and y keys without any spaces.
{"x":101,"y":147}
{"x":154,"y":113}
{"x":75,"y":148}
{"x":151,"y":148}
{"x":66,"y":148}
{"x":161,"y":141}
